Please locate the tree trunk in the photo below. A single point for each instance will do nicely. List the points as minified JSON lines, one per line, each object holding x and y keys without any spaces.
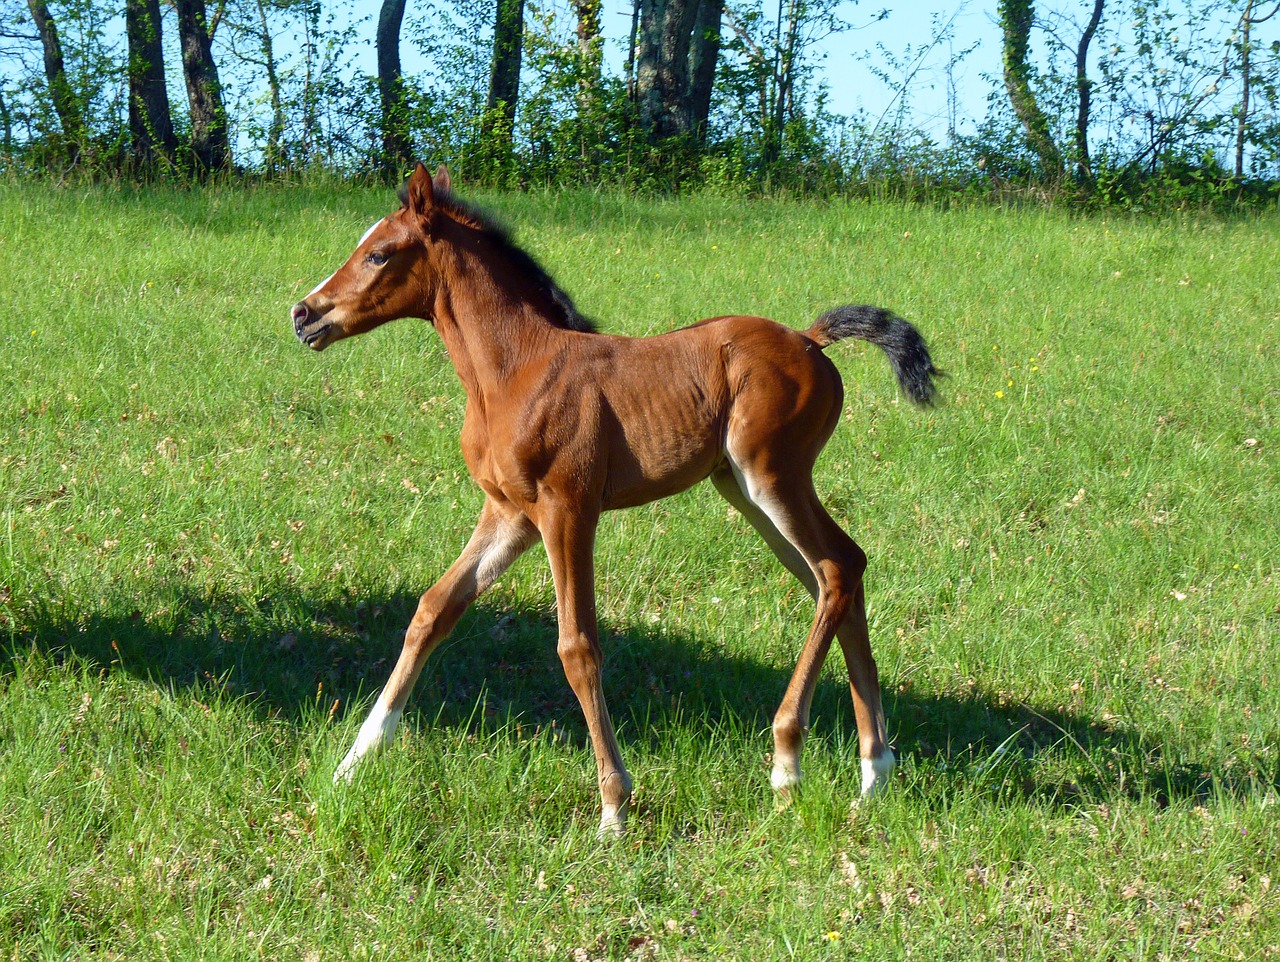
{"x":273,"y":155}
{"x":589,"y":67}
{"x":1247,"y":20}
{"x":589,"y":44}
{"x":152,"y":140}
{"x":310,"y":146}
{"x":6,"y":121}
{"x":629,"y":67}
{"x":704,"y":50}
{"x":1242,"y":121}
{"x":784,"y":78}
{"x":210,"y":137}
{"x":1084,"y":90}
{"x":662,"y":67}
{"x":1016,"y":18}
{"x":396,"y":149}
{"x":504,"y":77}
{"x":63,"y":97}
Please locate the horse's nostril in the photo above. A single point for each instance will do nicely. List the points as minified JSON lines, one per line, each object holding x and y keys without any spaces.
{"x":299,"y":315}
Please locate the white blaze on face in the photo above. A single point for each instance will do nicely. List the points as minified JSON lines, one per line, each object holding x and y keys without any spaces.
{"x":364,"y":237}
{"x":370,"y":231}
{"x":316,"y":289}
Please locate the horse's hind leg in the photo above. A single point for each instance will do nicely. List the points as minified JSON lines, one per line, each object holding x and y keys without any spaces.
{"x":795,"y":525}
{"x":864,"y":682}
{"x":501,"y":535}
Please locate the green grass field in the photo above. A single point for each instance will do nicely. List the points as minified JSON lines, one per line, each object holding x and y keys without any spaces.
{"x":211,"y":540}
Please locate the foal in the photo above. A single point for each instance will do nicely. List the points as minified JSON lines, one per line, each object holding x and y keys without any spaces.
{"x":563,"y":423}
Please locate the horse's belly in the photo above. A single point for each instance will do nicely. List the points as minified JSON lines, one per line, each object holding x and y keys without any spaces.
{"x":642,"y":473}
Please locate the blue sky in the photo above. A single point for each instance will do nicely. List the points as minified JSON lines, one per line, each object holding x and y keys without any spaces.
{"x":855,"y":87}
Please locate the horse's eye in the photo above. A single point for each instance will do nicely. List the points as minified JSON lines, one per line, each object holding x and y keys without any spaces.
{"x":376,"y":258}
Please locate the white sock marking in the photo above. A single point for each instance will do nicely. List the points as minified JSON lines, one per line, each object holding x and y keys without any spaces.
{"x":876,"y":772}
{"x":783,"y":778}
{"x":613,"y":822}
{"x":378,"y":730}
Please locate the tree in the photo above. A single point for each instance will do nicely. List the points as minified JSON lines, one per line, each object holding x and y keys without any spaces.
{"x":6,"y":121}
{"x":704,"y":52}
{"x":590,"y":48}
{"x":396,"y":147}
{"x":770,"y":62}
{"x":65,"y":104}
{"x":663,"y":39}
{"x":1247,"y":21}
{"x":210,"y":136}
{"x":675,"y":47}
{"x":1165,"y":86}
{"x":1084,"y":92}
{"x":150,"y":126}
{"x":249,"y":32}
{"x":588,"y":71}
{"x":1016,"y":19}
{"x":504,"y":77}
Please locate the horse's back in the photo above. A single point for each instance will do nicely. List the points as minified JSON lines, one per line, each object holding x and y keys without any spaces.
{"x":668,"y":408}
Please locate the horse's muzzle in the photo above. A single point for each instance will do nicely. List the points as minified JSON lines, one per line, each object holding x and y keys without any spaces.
{"x":311,"y":329}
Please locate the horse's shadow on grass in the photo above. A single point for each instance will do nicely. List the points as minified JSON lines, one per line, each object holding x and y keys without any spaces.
{"x":289,"y":658}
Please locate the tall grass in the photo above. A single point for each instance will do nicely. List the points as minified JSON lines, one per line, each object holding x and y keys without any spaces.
{"x":211,"y":539}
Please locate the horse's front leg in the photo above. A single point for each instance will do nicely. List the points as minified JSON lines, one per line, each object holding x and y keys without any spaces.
{"x":501,"y":535}
{"x":569,"y":536}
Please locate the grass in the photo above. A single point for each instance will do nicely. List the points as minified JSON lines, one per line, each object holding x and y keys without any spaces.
{"x":211,"y":540}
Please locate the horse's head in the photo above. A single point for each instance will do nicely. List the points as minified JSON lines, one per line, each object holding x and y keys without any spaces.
{"x":384,"y":279}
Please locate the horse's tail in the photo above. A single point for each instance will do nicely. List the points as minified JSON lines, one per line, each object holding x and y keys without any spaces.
{"x":906,"y":349}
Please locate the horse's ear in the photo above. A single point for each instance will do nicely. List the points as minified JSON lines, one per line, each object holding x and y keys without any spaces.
{"x":420,"y":193}
{"x":442,"y":182}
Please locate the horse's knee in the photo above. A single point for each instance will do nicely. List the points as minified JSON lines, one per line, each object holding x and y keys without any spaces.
{"x":419,"y":636}
{"x":580,"y":656}
{"x":840,"y":575}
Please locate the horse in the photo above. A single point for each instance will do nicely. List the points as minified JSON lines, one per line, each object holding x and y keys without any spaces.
{"x":563,"y":423}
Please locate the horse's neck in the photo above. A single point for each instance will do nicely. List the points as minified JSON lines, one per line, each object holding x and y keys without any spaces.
{"x":490,"y":333}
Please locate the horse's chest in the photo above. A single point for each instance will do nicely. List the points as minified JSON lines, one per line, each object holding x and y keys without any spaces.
{"x":496,"y":461}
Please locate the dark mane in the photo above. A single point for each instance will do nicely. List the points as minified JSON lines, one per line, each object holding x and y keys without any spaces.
{"x":561,"y":305}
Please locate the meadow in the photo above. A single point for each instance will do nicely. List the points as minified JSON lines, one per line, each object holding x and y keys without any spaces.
{"x":211,"y":540}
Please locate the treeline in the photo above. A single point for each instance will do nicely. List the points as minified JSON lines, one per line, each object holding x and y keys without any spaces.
{"x":1100,"y":99}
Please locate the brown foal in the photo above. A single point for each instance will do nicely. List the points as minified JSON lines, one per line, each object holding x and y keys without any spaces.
{"x":563,"y":423}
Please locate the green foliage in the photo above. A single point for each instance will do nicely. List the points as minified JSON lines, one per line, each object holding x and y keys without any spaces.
{"x":575,"y":123}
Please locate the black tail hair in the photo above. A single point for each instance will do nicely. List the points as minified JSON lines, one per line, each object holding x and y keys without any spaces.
{"x":908,"y":354}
